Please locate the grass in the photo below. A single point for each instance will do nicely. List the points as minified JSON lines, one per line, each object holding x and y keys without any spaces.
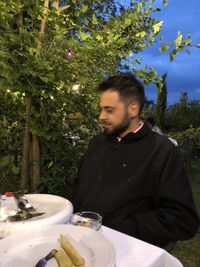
{"x":188,"y":252}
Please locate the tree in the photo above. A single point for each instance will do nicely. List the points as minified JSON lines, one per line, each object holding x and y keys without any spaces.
{"x":180,"y":116}
{"x":48,"y":46}
{"x":148,"y":109}
{"x":161,"y":104}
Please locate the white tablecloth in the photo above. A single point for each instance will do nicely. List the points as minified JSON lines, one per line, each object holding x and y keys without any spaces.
{"x":132,"y":252}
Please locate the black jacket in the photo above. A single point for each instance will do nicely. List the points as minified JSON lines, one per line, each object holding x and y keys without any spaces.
{"x":139,"y":185}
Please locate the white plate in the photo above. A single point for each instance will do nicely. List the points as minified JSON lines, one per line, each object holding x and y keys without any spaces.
{"x":56,"y":210}
{"x":25,"y":250}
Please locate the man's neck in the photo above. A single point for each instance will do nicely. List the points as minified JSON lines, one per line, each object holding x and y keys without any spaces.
{"x":135,"y":126}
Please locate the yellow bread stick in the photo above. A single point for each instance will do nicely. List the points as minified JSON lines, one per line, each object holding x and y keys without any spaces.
{"x":71,"y":251}
{"x":63,"y":259}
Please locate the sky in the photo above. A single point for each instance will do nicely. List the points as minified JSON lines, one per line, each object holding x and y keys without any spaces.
{"x":184,"y":71}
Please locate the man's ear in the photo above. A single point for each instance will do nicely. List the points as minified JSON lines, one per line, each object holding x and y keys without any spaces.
{"x":134,"y":109}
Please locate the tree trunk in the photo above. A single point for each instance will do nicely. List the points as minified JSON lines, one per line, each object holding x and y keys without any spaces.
{"x":25,"y":175}
{"x":35,"y":162}
{"x":31,"y":151}
{"x":42,"y":26}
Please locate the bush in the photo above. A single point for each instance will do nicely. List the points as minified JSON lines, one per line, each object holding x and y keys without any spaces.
{"x":189,"y":133}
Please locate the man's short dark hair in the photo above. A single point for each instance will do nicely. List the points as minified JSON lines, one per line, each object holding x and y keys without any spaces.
{"x":127,"y":85}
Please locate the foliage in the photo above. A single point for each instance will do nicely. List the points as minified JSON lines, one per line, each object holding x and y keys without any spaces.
{"x":188,"y":251}
{"x":148,"y":109}
{"x":183,"y":115}
{"x":193,"y":133}
{"x":11,"y":127}
{"x":161,"y":104}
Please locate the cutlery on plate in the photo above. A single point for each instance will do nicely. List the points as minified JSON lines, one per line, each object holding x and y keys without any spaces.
{"x":20,"y":216}
{"x":22,"y":202}
{"x":42,"y":262}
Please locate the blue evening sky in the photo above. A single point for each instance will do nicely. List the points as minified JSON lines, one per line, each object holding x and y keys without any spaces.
{"x":184,"y":72}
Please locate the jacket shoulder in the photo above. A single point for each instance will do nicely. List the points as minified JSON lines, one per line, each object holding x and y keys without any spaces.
{"x":98,"y":139}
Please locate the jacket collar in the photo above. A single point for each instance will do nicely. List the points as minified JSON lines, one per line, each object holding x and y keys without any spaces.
{"x":131,"y":136}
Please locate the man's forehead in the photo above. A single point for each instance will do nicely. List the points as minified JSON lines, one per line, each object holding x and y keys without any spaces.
{"x":110,"y":96}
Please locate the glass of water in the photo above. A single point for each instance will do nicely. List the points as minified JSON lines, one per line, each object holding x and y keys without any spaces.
{"x":87,"y":218}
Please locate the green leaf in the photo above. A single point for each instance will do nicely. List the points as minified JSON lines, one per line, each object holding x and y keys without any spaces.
{"x":15,"y":169}
{"x":94,"y":19}
{"x":138,"y":60}
{"x":121,"y":55}
{"x":44,"y":79}
{"x":84,"y":8}
{"x":172,"y":55}
{"x":165,"y":2}
{"x":197,"y":45}
{"x":188,"y":42}
{"x":32,"y":51}
{"x":157,"y":26}
{"x":77,"y":13}
{"x":48,"y":137}
{"x":83,"y":36}
{"x":4,"y":161}
{"x":99,"y":37}
{"x":157,"y":10}
{"x":178,"y":40}
{"x":164,"y":48}
{"x":130,"y":53}
{"x":127,"y":22}
{"x":140,"y":34}
{"x":139,"y":7}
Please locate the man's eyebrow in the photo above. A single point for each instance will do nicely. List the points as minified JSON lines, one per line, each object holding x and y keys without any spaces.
{"x":107,"y":107}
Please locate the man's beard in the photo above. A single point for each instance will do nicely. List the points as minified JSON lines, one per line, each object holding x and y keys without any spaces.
{"x":120,"y":128}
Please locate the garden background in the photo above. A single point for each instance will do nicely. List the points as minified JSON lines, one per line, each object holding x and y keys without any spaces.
{"x":52,"y":56}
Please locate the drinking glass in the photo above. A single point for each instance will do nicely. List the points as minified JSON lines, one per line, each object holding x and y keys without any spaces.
{"x":87,"y":218}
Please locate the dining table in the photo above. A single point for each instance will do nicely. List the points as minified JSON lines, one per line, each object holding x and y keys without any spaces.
{"x":132,"y":252}
{"x":118,"y":249}
{"x":125,"y":250}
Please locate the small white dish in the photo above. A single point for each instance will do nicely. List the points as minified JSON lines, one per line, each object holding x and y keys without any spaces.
{"x":56,"y":211}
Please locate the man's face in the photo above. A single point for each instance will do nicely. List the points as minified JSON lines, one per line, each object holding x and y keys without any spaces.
{"x":114,"y":113}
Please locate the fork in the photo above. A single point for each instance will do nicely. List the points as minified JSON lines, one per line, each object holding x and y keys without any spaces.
{"x":22,"y":202}
{"x":42,"y":262}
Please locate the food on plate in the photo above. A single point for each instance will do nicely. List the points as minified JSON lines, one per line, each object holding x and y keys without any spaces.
{"x":71,"y":251}
{"x":63,"y":259}
{"x":66,"y":256}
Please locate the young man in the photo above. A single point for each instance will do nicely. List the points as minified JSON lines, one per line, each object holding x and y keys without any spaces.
{"x":133,"y":176}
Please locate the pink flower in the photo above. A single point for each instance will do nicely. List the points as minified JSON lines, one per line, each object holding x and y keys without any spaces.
{"x":69,"y":52}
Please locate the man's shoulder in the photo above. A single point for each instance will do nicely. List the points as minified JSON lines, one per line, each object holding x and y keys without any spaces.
{"x":163,"y":140}
{"x":100,"y":138}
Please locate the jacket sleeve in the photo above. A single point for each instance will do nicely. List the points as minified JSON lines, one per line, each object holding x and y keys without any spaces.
{"x":74,"y":194}
{"x":174,"y":216}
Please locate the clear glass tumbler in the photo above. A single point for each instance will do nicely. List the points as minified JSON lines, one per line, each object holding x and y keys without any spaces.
{"x":87,"y":218}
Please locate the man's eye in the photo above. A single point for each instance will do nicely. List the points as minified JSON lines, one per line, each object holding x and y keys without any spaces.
{"x":109,"y":110}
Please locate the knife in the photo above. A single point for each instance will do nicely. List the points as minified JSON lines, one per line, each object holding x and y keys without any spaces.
{"x":20,"y":216}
